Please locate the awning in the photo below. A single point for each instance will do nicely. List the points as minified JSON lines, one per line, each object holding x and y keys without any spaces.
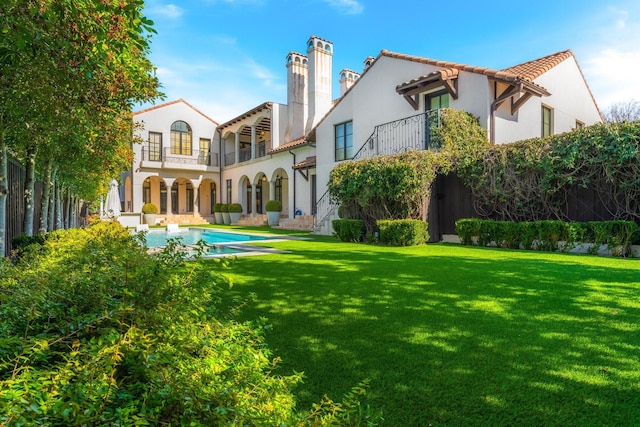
{"x":446,"y":78}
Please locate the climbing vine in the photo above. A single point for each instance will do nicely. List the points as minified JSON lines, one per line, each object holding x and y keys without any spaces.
{"x":527,"y":180}
{"x":532,"y":179}
{"x":399,"y":186}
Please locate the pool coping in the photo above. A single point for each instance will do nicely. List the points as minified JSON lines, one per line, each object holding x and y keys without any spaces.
{"x":244,"y":248}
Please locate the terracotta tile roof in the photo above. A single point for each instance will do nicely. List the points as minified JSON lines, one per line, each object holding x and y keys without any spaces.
{"x":309,"y":162}
{"x":531,"y":70}
{"x":502,"y":75}
{"x":290,"y":145}
{"x":522,"y":73}
{"x":447,"y":73}
{"x":166,"y":104}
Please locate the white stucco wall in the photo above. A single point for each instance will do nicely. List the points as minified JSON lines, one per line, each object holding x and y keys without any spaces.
{"x":373,"y":101}
{"x":270,"y":165}
{"x":570,"y":100}
{"x":160,"y":119}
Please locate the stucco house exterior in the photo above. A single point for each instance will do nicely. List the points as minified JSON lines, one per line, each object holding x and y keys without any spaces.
{"x":286,"y":151}
{"x":176,"y":167}
{"x":397,"y":94}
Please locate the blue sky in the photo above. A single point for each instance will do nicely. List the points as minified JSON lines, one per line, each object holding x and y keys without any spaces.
{"x":228,"y":56}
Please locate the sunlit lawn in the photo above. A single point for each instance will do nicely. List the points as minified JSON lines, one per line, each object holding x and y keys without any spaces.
{"x":454,"y":335}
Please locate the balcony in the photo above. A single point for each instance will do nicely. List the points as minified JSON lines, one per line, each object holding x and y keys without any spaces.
{"x":244,"y":155}
{"x":198,"y":160}
{"x":409,"y":133}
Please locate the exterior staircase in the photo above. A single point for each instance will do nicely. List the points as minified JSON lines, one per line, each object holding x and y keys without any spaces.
{"x":409,"y":133}
{"x":253,"y":220}
{"x":300,"y":222}
{"x":184,"y":219}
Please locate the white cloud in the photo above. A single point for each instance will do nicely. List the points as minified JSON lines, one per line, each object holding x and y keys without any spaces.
{"x":612,"y":75}
{"x":170,"y":11}
{"x":611,"y":59}
{"x":349,"y":7}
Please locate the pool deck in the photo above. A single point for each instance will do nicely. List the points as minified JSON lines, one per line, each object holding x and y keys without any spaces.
{"x":242,"y":248}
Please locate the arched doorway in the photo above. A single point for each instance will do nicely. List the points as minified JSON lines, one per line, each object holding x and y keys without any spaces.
{"x":154,"y":190}
{"x":182,"y":196}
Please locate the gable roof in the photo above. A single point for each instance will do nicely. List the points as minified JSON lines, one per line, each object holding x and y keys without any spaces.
{"x":523,"y":73}
{"x":177,"y":101}
{"x":531,"y":70}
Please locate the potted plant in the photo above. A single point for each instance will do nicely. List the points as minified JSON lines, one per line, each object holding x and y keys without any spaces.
{"x":273,"y":207}
{"x":149,"y":212}
{"x":217,"y":213}
{"x":225,"y":213}
{"x":235,"y":212}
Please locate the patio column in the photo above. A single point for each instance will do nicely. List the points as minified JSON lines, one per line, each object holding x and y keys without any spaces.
{"x":253,"y":142}
{"x":196,"y":200}
{"x":272,"y":190}
{"x":237,"y":148}
{"x":169,"y":188}
{"x":254,"y":203}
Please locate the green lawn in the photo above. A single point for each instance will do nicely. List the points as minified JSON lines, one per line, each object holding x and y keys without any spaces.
{"x":454,"y":335}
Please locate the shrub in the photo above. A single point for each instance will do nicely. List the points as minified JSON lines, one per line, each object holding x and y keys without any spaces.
{"x":225,"y":207}
{"x":149,"y":208}
{"x":235,"y":208}
{"x":348,"y":230}
{"x":467,"y":229}
{"x":403,"y":232}
{"x":96,"y":331}
{"x":274,"y":206}
{"x":22,"y":242}
{"x":218,"y":207}
{"x":547,"y":235}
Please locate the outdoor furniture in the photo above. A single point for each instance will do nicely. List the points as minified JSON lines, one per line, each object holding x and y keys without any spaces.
{"x":173,"y":228}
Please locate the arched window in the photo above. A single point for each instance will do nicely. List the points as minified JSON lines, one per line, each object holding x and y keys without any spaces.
{"x":181,"y":138}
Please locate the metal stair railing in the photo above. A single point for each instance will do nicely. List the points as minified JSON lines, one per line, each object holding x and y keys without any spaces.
{"x":409,"y":133}
{"x":324,"y":207}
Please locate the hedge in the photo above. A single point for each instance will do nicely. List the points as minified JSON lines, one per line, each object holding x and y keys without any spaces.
{"x":348,"y":230}
{"x":403,"y":232}
{"x":549,"y":235}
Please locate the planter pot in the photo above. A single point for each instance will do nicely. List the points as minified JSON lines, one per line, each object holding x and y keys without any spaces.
{"x":273,"y":218}
{"x":235,"y":217}
{"x":226,"y":218}
{"x":218,"y":217}
{"x":149,"y":219}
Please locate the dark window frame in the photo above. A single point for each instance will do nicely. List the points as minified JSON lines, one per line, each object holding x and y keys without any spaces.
{"x":343,"y":141}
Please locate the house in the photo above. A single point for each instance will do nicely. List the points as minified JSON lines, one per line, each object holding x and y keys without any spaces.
{"x":386,"y":110}
{"x":176,"y":167}
{"x":286,"y":151}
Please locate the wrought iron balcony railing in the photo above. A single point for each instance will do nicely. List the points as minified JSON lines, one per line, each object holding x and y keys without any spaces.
{"x":197,"y":157}
{"x":409,"y":133}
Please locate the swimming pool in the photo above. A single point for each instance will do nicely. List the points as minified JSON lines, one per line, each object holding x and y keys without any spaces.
{"x":191,"y":236}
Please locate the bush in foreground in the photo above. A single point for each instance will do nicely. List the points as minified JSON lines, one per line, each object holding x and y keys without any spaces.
{"x":96,"y":331}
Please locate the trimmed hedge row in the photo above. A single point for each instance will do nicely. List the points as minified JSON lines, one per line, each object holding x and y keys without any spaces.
{"x":550,"y":235}
{"x":349,"y":230}
{"x":403,"y":232}
{"x":396,"y":232}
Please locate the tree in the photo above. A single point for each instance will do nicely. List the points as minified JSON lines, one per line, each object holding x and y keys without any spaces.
{"x":625,"y":111}
{"x":70,"y":73}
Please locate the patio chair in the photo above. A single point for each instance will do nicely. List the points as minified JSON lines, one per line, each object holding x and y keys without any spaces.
{"x":142,"y":227}
{"x":173,"y":228}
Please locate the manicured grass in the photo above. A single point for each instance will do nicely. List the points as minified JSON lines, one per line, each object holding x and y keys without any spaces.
{"x":454,"y":335}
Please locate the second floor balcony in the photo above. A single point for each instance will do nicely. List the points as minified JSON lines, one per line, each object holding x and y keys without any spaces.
{"x":244,"y":154}
{"x":166,"y":158}
{"x":409,"y":133}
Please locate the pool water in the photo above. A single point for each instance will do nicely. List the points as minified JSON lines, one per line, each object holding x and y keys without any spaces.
{"x":192,"y":236}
